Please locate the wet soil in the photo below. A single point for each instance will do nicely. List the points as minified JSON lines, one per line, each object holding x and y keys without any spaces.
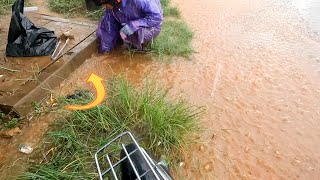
{"x":13,"y":162}
{"x":26,"y":69}
{"x":257,"y":73}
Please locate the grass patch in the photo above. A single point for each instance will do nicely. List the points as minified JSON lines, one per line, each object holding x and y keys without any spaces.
{"x":72,"y":8}
{"x":174,"y":40}
{"x":165,"y":3}
{"x":11,"y":124}
{"x":162,"y":126}
{"x":95,"y":15}
{"x":5,"y":5}
{"x":8,"y":122}
{"x":171,"y":12}
{"x":67,"y":7}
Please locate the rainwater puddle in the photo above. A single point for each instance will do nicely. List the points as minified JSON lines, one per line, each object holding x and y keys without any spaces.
{"x":257,"y":73}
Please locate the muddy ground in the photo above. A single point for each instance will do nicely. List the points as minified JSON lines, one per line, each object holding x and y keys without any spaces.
{"x":256,"y":71}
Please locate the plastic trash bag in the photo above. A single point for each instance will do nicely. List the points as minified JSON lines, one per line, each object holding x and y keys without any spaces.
{"x":25,"y":39}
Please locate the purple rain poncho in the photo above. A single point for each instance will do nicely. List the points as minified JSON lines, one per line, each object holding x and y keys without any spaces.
{"x":144,"y":17}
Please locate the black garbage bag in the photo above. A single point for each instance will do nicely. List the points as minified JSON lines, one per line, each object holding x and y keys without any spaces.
{"x":25,"y":39}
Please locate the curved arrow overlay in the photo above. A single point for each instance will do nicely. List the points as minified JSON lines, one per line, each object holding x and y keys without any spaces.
{"x":97,"y":82}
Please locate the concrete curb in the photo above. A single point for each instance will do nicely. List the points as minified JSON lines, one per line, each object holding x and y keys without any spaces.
{"x":20,"y":104}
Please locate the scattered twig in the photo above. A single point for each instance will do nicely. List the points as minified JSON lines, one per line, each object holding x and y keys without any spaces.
{"x":45,"y":155}
{"x":8,"y":69}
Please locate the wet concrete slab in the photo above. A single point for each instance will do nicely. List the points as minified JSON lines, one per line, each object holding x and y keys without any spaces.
{"x":21,"y":75}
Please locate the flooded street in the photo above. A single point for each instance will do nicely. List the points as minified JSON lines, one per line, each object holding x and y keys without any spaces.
{"x":256,"y":71}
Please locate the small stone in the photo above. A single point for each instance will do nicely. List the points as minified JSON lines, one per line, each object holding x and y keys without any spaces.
{"x":277,"y":152}
{"x":11,"y":132}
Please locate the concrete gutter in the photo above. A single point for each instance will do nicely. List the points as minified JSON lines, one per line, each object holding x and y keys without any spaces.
{"x":20,"y":104}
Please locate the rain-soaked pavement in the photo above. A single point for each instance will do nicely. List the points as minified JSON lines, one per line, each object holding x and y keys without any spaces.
{"x":257,"y":73}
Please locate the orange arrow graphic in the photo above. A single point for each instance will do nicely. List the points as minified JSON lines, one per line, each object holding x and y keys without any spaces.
{"x":100,"y":93}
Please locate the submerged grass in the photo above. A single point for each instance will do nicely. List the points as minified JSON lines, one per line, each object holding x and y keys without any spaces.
{"x":161,"y":125}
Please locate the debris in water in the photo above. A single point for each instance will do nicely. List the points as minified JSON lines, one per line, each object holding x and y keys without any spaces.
{"x":78,"y":94}
{"x":181,"y":164}
{"x":52,"y":101}
{"x":247,"y":149}
{"x":8,"y":69}
{"x":203,"y":148}
{"x":25,"y":149}
{"x":208,"y":167}
{"x":164,"y":162}
{"x":10,"y":133}
{"x":216,"y":79}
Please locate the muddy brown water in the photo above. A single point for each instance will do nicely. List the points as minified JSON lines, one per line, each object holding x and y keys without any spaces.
{"x":257,"y":73}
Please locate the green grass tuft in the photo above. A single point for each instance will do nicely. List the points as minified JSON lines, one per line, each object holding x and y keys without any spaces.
{"x":74,"y":8}
{"x":11,"y":124}
{"x":96,"y":15}
{"x":174,"y":40}
{"x":171,"y":12}
{"x":67,"y":7}
{"x":5,"y":5}
{"x":165,"y":3}
{"x":162,"y":126}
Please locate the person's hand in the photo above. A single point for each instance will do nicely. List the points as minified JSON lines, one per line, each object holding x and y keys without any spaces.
{"x":123,"y":36}
{"x":126,"y":30}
